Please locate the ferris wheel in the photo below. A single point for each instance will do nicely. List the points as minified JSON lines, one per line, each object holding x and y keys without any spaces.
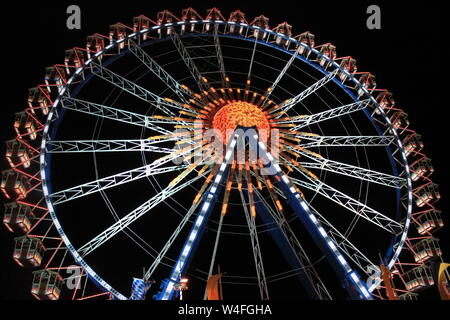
{"x":165,"y":149}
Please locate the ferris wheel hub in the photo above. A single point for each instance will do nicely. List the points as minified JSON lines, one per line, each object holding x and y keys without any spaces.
{"x":239,"y":114}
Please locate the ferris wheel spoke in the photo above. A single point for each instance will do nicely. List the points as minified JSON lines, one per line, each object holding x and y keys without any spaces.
{"x":356,"y":172}
{"x":133,"y":88}
{"x":125,"y":177}
{"x":134,"y":215}
{"x":281,"y":75}
{"x":223,"y":76}
{"x":111,"y":113}
{"x":350,"y":170}
{"x":160,"y":72}
{"x":188,"y":61}
{"x":250,"y":67}
{"x":345,"y":141}
{"x":290,"y":103}
{"x":351,"y":204}
{"x":82,"y":146}
{"x":109,"y":182}
{"x":330,"y":114}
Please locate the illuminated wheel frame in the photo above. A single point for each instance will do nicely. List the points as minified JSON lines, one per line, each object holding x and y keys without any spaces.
{"x":219,"y":104}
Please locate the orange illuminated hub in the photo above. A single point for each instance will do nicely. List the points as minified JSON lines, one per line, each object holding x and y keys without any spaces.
{"x":243,"y":114}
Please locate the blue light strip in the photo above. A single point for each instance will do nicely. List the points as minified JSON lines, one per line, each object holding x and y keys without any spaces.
{"x":349,"y":276}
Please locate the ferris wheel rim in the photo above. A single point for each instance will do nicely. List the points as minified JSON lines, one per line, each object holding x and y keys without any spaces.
{"x":134,"y":35}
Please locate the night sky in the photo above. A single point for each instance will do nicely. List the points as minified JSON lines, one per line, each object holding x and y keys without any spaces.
{"x":405,"y":56}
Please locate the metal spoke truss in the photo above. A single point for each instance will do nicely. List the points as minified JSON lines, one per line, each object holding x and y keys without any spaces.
{"x":321,"y":163}
{"x":120,"y":178}
{"x":330,"y":114}
{"x":223,"y":75}
{"x":134,"y":215}
{"x":345,"y":245}
{"x":256,"y":249}
{"x":33,"y":208}
{"x":286,"y":106}
{"x":132,"y":88}
{"x":345,"y":141}
{"x":82,"y":146}
{"x":351,"y":204}
{"x":190,"y":64}
{"x":162,"y":74}
{"x":111,"y":113}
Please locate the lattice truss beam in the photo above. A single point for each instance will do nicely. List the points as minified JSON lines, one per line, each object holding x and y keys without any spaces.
{"x":307,"y":120}
{"x":134,"y":215}
{"x":345,"y":141}
{"x":180,"y":90}
{"x":351,"y":204}
{"x":115,"y":114}
{"x":290,"y":103}
{"x":352,"y":171}
{"x":190,"y":64}
{"x":83,"y":146}
{"x":132,"y":88}
{"x":152,"y":169}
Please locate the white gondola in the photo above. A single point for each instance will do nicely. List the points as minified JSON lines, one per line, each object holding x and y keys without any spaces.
{"x":408,"y":296}
{"x":413,"y":144}
{"x":17,"y":154}
{"x":118,"y":32}
{"x":348,"y":66}
{"x":237,"y":17}
{"x":74,"y":58}
{"x":427,"y":194}
{"x":164,"y":18}
{"x":28,"y":251}
{"x":306,"y":38}
{"x":38,"y":100}
{"x":399,"y":120}
{"x":419,"y":278}
{"x":25,"y":126}
{"x":263,"y":23}
{"x":426,"y":250}
{"x":284,"y":29}
{"x":142,"y":23}
{"x":368,"y":82}
{"x":327,"y":51}
{"x":18,"y":217}
{"x":421,"y":168}
{"x":47,"y":285}
{"x":95,"y":43}
{"x":429,"y":221}
{"x":188,"y":15}
{"x":13,"y":185}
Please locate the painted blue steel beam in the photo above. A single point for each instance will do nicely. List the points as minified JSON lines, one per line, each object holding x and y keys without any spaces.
{"x":139,"y":289}
{"x":286,"y":249}
{"x":349,"y":278}
{"x":208,"y":201}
